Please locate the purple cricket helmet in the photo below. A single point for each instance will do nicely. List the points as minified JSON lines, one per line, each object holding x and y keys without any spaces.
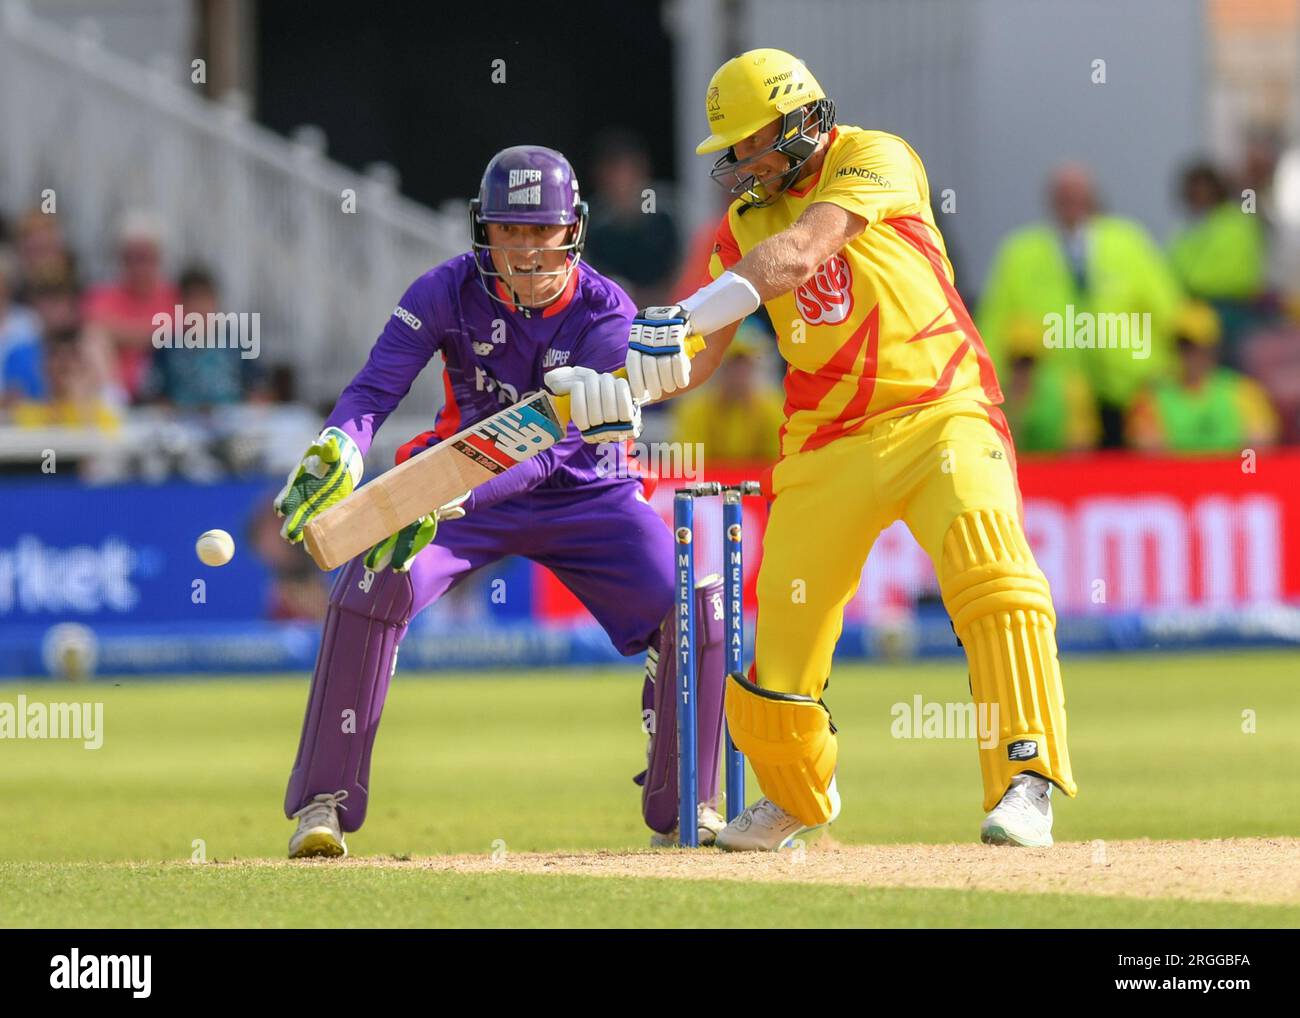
{"x":535,"y":186}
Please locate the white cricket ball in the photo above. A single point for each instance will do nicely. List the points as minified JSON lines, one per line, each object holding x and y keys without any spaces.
{"x":215,"y":548}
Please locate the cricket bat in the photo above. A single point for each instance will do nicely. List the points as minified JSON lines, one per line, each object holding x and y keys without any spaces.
{"x":437,"y":475}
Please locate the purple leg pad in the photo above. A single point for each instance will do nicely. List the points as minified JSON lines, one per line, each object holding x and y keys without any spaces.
{"x":368,"y":615}
{"x":659,"y":793}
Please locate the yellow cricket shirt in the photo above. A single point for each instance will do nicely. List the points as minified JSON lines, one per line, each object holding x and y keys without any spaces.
{"x":879,"y":327}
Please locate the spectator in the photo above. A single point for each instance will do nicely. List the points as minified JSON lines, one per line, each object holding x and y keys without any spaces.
{"x":20,"y":332}
{"x":207,"y":376}
{"x":1048,"y":404}
{"x":1220,"y":256}
{"x":42,"y":253}
{"x":23,"y":373}
{"x":122,"y":312}
{"x":738,"y":418}
{"x":1084,"y":261}
{"x":630,"y":239}
{"x":71,"y":397}
{"x":1204,"y":408}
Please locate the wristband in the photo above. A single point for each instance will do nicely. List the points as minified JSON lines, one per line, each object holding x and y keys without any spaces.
{"x":729,"y":298}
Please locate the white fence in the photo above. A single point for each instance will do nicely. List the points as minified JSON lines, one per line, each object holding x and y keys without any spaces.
{"x":266,"y":214}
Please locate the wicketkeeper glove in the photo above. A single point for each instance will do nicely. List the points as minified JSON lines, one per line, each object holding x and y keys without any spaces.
{"x":600,"y":403}
{"x":399,"y":551}
{"x":657,"y":363}
{"x":329,"y":472}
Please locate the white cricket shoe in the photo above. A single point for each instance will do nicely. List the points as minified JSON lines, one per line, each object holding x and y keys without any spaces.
{"x":1023,"y":817}
{"x":710,"y":823}
{"x":318,"y":831}
{"x":766,"y":827}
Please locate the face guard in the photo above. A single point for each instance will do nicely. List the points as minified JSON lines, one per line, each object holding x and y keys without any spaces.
{"x":527,"y":185}
{"x":523,"y":285}
{"x":796,"y":141}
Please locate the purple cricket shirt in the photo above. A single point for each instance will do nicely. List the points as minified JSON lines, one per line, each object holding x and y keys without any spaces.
{"x":495,"y":355}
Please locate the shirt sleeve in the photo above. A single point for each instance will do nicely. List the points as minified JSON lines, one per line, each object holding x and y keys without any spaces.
{"x":726,"y":252}
{"x":409,"y":340}
{"x":874,"y":176}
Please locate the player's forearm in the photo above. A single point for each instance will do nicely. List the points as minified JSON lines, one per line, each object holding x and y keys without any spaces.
{"x":779,"y":264}
{"x":378,"y":388}
{"x":360,"y":411}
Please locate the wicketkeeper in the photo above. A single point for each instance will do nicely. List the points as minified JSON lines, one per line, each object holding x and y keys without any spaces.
{"x":518,"y":307}
{"x":891,"y":413}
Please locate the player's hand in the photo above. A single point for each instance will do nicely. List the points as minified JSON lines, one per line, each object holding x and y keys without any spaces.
{"x":657,"y":363}
{"x":399,"y":551}
{"x":329,"y":472}
{"x":600,"y":403}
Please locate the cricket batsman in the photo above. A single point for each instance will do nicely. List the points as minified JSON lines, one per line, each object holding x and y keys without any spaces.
{"x":891,"y":413}
{"x":520,"y":307}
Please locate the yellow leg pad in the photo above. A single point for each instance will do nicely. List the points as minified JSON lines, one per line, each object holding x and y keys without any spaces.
{"x":1001,"y":608}
{"x":789,"y":743}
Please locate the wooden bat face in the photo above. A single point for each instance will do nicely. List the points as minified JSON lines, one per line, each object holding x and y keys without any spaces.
{"x":434,"y":477}
{"x":440,"y":474}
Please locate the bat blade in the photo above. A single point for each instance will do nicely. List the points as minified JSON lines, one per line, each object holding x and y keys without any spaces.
{"x":435,"y":477}
{"x":438,"y":475}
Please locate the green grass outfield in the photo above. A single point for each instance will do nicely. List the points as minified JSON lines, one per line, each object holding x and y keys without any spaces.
{"x":540,"y":761}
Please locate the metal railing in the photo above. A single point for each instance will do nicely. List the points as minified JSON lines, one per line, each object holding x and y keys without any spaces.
{"x":267,"y":214}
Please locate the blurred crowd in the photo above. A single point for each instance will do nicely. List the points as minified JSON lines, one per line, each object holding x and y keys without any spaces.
{"x":93,"y":356}
{"x":1210,"y":354}
{"x":1212,"y":362}
{"x":1217,"y":369}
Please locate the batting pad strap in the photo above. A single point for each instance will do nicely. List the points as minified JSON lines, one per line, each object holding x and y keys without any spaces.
{"x":789,"y":743}
{"x":1005,"y":586}
{"x":987,"y":567}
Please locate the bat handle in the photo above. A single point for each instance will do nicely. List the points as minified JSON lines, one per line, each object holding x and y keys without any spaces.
{"x":694,"y":344}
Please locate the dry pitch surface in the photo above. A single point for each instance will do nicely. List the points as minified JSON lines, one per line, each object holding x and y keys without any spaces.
{"x":1261,"y":871}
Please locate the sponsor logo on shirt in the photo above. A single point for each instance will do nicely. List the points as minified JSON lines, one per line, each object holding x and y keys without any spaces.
{"x":481,"y":348}
{"x":863,"y":173}
{"x":826,"y":297}
{"x":402,"y":314}
{"x":554,"y":359}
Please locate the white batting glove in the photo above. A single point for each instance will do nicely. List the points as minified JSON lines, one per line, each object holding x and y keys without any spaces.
{"x":657,"y":364}
{"x":600,"y":404}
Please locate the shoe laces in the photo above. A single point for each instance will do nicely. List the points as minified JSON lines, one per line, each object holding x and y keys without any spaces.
{"x":320,"y":809}
{"x":768,"y":807}
{"x":1029,"y":791}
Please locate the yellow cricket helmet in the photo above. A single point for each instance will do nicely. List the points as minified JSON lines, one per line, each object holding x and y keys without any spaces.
{"x":749,"y":92}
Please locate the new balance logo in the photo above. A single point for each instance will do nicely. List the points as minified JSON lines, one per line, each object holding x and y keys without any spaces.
{"x":1025,"y":749}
